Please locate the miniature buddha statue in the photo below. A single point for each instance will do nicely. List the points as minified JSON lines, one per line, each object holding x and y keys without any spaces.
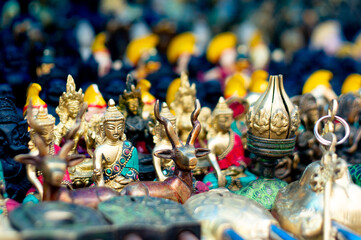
{"x":142,"y":54}
{"x":183,"y":105}
{"x":43,"y":125}
{"x":227,"y":153}
{"x":318,"y":84}
{"x":147,"y":98}
{"x":222,"y":52}
{"x":163,"y":167}
{"x":13,"y":141}
{"x":308,"y":149}
{"x":33,"y":94}
{"x":180,"y":50}
{"x":116,"y":159}
{"x":136,"y":128}
{"x":95,"y":101}
{"x":69,"y":106}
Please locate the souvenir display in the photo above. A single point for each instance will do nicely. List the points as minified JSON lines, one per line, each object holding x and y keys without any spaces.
{"x":251,"y":150}
{"x":178,"y":187}
{"x":53,"y":168}
{"x":115,"y":160}
{"x":272,"y":123}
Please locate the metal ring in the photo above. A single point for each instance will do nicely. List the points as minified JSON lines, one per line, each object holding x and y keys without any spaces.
{"x":327,"y":142}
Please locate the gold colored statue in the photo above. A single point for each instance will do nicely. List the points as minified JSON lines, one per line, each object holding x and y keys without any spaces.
{"x":183,"y":105}
{"x":226,"y":146}
{"x":115,"y":160}
{"x":42,"y":125}
{"x":163,"y":167}
{"x":69,"y":106}
{"x":324,"y":192}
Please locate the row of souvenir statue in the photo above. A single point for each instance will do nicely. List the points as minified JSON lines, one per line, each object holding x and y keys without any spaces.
{"x":265,"y":150}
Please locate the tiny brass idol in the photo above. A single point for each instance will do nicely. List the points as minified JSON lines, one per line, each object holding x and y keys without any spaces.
{"x":272,"y":122}
{"x":70,"y":103}
{"x":53,"y":168}
{"x":178,"y":187}
{"x":116,"y":159}
{"x":163,"y":167}
{"x":183,"y":106}
{"x":226,"y":150}
{"x":43,"y":126}
{"x":324,"y":192}
{"x":69,"y":106}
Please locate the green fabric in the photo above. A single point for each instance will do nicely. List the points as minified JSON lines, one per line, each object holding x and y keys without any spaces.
{"x":264,"y":191}
{"x":212,"y":182}
{"x":235,"y":128}
{"x":132,"y":163}
{"x":355,"y":171}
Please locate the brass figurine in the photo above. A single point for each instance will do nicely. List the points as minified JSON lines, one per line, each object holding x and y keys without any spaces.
{"x":226,"y":148}
{"x":272,"y":121}
{"x":53,"y":169}
{"x":179,"y":187}
{"x":43,"y":126}
{"x":163,"y":167}
{"x":116,"y":159}
{"x":183,"y":106}
{"x":69,"y":106}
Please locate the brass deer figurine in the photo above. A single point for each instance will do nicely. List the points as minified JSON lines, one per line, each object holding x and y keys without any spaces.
{"x":53,"y":168}
{"x":178,"y":187}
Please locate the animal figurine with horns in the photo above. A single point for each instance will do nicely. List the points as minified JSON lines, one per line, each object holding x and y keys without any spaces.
{"x":53,"y":168}
{"x":178,"y":187}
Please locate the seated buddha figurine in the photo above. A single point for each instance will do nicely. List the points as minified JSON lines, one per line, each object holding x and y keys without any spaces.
{"x":163,"y":167}
{"x":116,"y":159}
{"x":136,"y":128}
{"x":42,"y":125}
{"x":227,"y":153}
{"x":183,"y":105}
{"x":69,"y":106}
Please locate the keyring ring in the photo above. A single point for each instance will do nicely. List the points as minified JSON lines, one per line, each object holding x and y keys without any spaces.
{"x":327,"y":142}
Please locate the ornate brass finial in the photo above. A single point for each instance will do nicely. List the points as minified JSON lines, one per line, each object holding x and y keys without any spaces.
{"x":222,"y":108}
{"x":185,"y":87}
{"x":44,"y":119}
{"x":112,"y":113}
{"x":273,"y":116}
{"x":71,"y":93}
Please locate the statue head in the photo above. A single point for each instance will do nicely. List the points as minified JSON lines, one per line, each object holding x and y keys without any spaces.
{"x":13,"y":129}
{"x":71,"y":100}
{"x":113,"y":123}
{"x":131,"y":98}
{"x":309,"y":112}
{"x":46,"y":123}
{"x":159,"y":128}
{"x":222,"y":116}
